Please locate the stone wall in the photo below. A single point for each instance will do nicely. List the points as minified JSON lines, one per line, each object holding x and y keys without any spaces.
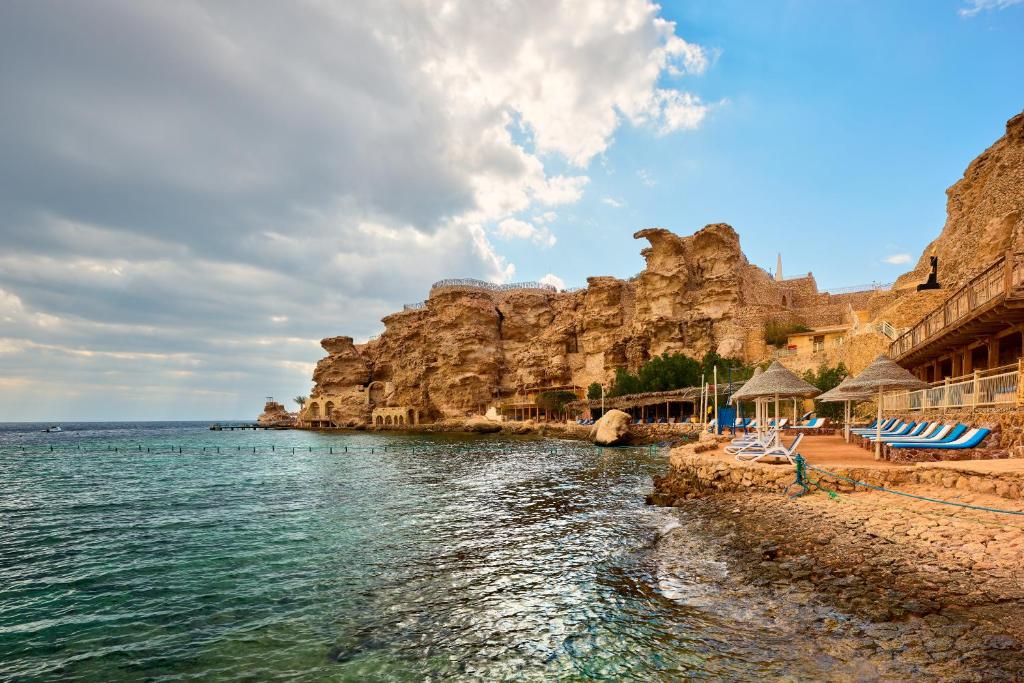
{"x":1007,"y":424}
{"x":695,"y":471}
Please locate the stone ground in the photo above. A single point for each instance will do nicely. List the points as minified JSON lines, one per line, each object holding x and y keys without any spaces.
{"x":940,"y":590}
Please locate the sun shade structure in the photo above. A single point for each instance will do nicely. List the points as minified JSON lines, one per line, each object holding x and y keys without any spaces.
{"x":884,"y":374}
{"x":777,"y":382}
{"x":845,"y":394}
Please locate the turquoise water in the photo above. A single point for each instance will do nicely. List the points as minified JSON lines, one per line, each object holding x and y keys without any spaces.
{"x":474,"y":558}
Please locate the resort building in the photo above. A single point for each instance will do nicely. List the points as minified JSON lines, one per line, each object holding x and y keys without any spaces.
{"x":521,"y":406}
{"x":814,"y":341}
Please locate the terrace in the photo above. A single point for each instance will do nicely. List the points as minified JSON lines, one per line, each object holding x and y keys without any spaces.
{"x":979,"y":326}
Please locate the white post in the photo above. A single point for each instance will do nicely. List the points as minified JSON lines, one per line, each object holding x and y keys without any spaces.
{"x":718,"y":425}
{"x":778,"y":432}
{"x":878,"y":428}
{"x":602,"y":400}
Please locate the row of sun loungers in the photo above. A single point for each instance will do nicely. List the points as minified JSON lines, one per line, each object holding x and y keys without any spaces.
{"x":931,"y":436}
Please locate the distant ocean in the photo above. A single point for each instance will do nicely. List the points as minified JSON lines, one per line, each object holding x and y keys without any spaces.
{"x":466,"y":557}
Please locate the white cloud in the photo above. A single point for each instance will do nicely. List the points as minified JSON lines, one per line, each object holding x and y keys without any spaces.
{"x":679,"y":111}
{"x":553,"y":280}
{"x":974,"y":7}
{"x":561,"y":190}
{"x":326,"y":159}
{"x":513,"y":228}
{"x":646,"y":178}
{"x":612,"y":202}
{"x":897,"y":259}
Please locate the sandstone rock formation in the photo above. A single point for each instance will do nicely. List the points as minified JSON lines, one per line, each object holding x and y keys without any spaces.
{"x":275,"y":415}
{"x":471,"y":345}
{"x":611,"y":429}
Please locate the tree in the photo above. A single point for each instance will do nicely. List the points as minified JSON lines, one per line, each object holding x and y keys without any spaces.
{"x":824,"y":379}
{"x":675,"y":371}
{"x":594,"y":391}
{"x":553,"y":402}
{"x":301,"y":400}
{"x":625,"y":383}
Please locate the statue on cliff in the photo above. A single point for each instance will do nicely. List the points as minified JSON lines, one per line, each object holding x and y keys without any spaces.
{"x":933,"y":277}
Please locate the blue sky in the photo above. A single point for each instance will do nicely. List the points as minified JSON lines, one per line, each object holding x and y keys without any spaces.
{"x":193,"y":194}
{"x":841,"y":126}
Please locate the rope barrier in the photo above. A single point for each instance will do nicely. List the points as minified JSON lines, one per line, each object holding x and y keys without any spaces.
{"x":199,"y":449}
{"x":803,"y":480}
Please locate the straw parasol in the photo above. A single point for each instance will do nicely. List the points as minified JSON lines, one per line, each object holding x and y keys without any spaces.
{"x":843,"y":393}
{"x":776,"y":381}
{"x":884,"y":374}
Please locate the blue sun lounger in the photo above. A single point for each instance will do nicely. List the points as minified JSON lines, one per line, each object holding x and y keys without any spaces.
{"x":918,"y":430}
{"x":888,"y":424}
{"x":904,"y":430}
{"x":958,"y":439}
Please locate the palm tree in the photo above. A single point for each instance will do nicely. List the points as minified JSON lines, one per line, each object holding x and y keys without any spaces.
{"x":301,"y":400}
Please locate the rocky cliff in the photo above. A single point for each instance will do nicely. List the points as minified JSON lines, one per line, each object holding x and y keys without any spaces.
{"x":471,"y":345}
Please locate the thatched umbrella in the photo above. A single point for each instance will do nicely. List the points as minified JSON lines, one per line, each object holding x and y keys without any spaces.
{"x":779,"y":382}
{"x":842,"y":392}
{"x":884,"y":374}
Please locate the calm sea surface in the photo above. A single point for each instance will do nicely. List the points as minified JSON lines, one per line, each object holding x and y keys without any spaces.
{"x":473,"y":558}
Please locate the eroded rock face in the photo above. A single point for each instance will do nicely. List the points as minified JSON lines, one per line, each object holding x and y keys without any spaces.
{"x":470,"y":347}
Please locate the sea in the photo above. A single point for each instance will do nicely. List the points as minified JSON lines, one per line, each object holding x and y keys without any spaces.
{"x":164,"y":551}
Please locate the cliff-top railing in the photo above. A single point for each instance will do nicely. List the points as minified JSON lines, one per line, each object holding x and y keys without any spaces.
{"x":490,"y":286}
{"x":853,"y":289}
{"x":1001,"y":280}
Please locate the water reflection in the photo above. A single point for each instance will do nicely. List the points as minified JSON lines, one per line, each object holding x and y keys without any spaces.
{"x":475,"y":558}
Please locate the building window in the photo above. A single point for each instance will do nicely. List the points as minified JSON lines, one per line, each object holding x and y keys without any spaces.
{"x":818,"y":343}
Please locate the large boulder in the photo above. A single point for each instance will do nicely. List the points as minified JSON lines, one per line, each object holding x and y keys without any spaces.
{"x":611,"y":429}
{"x":481,"y":425}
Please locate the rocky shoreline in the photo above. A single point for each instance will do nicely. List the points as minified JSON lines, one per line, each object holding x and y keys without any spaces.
{"x":937,"y":591}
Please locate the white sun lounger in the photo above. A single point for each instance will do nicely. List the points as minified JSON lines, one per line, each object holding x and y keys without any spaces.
{"x":772,"y":452}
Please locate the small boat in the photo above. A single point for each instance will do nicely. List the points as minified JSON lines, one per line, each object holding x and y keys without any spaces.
{"x":54,"y":428}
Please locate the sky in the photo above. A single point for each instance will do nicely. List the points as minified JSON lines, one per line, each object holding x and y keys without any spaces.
{"x":193,"y":194}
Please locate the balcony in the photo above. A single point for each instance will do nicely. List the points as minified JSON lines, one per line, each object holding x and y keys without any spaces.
{"x":987,"y":303}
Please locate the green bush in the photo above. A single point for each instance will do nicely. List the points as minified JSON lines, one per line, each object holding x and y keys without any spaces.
{"x":594,"y":391}
{"x":675,"y":371}
{"x":827,"y":378}
{"x":554,"y":401}
{"x":776,"y":333}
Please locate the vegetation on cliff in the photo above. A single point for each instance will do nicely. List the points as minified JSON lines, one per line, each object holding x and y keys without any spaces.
{"x":827,"y":378}
{"x":553,"y":402}
{"x":675,"y":371}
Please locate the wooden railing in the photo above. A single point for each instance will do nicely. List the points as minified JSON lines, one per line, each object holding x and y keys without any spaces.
{"x":998,"y":386}
{"x":1001,"y":278}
